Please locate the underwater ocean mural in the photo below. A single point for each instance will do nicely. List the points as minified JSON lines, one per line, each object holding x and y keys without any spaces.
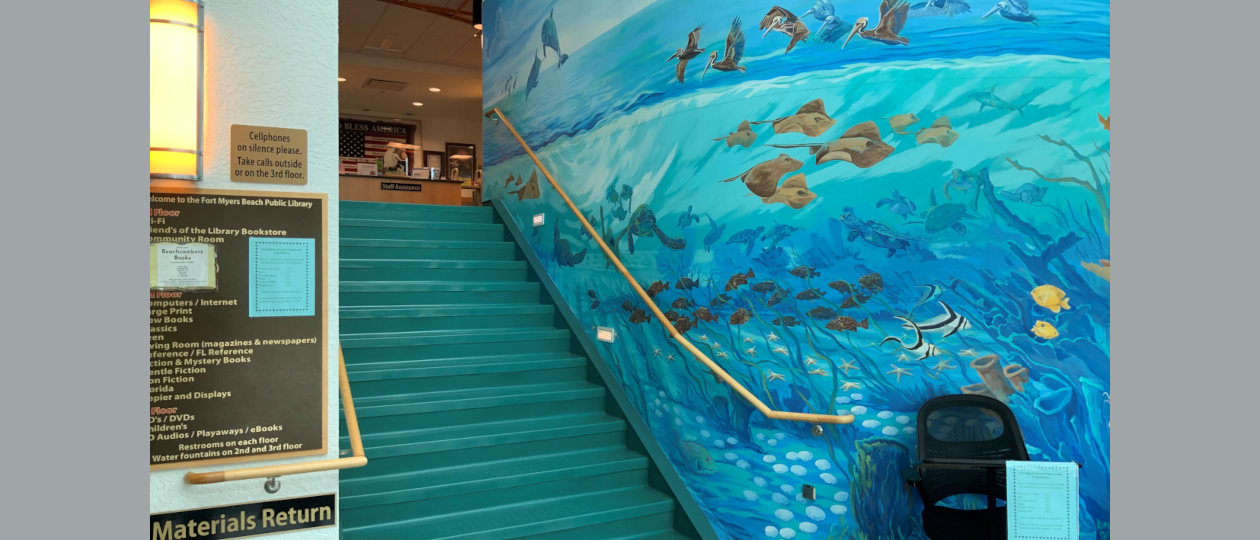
{"x":852,"y":206}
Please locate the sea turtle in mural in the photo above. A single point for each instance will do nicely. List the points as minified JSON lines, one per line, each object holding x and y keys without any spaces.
{"x":1027,"y":193}
{"x":779,"y":233}
{"x":897,"y":204}
{"x":643,"y":223}
{"x":875,"y":233}
{"x":944,"y":216}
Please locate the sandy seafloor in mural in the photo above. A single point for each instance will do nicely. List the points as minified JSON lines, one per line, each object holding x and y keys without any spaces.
{"x":978,"y":240}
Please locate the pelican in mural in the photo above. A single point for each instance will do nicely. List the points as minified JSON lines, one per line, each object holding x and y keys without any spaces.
{"x":833,"y":27}
{"x":933,"y":8}
{"x":1015,"y":10}
{"x":692,"y":50}
{"x":783,"y":21}
{"x":734,"y":52}
{"x":892,"y":18}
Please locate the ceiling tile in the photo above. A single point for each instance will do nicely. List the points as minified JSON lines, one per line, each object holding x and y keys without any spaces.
{"x":357,"y":19}
{"x":467,"y":56}
{"x":401,"y":27}
{"x":441,"y":41}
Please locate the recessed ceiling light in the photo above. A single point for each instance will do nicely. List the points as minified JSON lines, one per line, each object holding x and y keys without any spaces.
{"x":341,"y":79}
{"x":435,"y":89}
{"x":417,"y":103}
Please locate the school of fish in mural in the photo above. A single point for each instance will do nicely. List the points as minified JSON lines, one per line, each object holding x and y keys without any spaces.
{"x":851,"y":206}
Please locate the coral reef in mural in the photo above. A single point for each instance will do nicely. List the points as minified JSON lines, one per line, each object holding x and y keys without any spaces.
{"x":857,"y":207}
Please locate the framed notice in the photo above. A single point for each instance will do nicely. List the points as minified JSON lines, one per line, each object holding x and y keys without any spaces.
{"x":461,"y":162}
{"x":238,"y":326}
{"x":436,"y":160}
{"x":1041,"y":500}
{"x":268,"y":155}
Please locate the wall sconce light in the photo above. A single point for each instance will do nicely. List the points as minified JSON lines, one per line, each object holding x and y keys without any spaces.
{"x":175,"y":88}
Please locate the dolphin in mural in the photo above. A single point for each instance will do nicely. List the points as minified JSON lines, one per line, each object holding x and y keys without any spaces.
{"x":811,"y":119}
{"x":551,"y":38}
{"x":532,"y":82}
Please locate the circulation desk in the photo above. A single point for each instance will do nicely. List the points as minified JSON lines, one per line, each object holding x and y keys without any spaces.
{"x":390,"y":189}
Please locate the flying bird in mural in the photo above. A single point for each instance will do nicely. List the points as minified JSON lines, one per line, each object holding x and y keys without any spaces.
{"x":532,"y":81}
{"x":833,"y":27}
{"x":692,"y":50}
{"x":743,"y":136}
{"x":1013,"y":10}
{"x":811,"y":119}
{"x":934,"y":8}
{"x":892,"y":18}
{"x":551,"y":38}
{"x":783,"y":21}
{"x":733,"y":54}
{"x":861,"y":145}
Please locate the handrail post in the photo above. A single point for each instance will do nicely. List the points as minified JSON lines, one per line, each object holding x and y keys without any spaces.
{"x":358,"y":459}
{"x":656,"y":311}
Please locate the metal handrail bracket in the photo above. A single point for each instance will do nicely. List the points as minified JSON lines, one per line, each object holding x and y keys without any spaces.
{"x":357,"y":459}
{"x":656,"y":311}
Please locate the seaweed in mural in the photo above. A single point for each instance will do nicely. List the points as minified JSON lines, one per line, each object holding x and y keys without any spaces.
{"x":963,"y":248}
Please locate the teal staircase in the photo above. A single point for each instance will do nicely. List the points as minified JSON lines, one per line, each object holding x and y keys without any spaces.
{"x":483,"y":415}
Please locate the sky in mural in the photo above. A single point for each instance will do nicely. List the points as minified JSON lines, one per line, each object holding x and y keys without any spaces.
{"x":852,"y":206}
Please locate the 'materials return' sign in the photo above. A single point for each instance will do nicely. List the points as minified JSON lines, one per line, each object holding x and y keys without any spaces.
{"x":243,"y":520}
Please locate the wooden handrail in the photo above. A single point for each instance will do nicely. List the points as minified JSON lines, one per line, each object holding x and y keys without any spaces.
{"x":358,"y":458}
{"x":656,"y":311}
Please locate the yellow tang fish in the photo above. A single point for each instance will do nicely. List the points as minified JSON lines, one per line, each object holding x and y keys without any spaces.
{"x":1045,"y":330}
{"x":1050,"y":297}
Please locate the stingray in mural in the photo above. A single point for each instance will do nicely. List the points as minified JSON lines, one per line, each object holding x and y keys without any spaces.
{"x":941,"y":133}
{"x":892,"y":19}
{"x":861,"y":145}
{"x":734,"y":52}
{"x":532,"y":82}
{"x":1013,"y":10}
{"x":763,"y":178}
{"x":563,"y":254}
{"x":743,"y":136}
{"x":900,"y":122}
{"x":811,"y":119}
{"x":934,"y":8}
{"x":551,"y":38}
{"x":783,"y":21}
{"x":509,"y":180}
{"x":529,"y":190}
{"x":794,"y":192}
{"x":685,"y":54}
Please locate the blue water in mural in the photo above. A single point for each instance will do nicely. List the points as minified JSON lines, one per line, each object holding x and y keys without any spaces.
{"x":910,"y":202}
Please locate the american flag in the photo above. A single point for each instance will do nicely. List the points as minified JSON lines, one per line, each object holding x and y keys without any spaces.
{"x":359,"y":146}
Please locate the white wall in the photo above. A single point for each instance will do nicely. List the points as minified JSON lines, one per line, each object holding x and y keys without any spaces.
{"x":270,"y":63}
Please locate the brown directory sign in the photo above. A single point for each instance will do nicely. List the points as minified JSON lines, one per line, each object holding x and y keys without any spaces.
{"x":268,"y":155}
{"x":238,"y":352}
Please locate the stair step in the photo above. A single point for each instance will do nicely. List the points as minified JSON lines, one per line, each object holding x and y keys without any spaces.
{"x":504,"y":473}
{"x":415,"y":212}
{"x":468,"y":365}
{"x":387,"y":319}
{"x":446,"y":250}
{"x":492,"y":395}
{"x":382,"y":229}
{"x":652,"y":527}
{"x":587,"y":507}
{"x":498,"y":430}
{"x":360,"y":348}
{"x":431,"y":270}
{"x":396,"y":293}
